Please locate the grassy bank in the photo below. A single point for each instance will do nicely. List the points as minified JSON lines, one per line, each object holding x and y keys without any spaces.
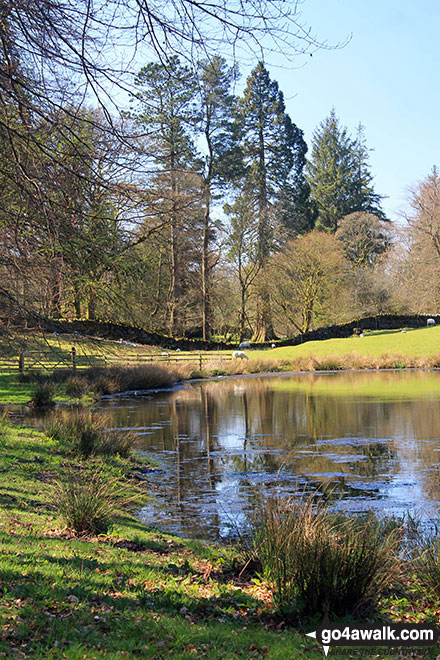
{"x":135,"y":592}
{"x":129,"y":593}
{"x":391,"y":349}
{"x":87,"y":385}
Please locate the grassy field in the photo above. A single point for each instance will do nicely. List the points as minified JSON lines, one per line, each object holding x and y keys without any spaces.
{"x":62,"y":345}
{"x":376,"y":350}
{"x":414,"y":343}
{"x":134,"y":592}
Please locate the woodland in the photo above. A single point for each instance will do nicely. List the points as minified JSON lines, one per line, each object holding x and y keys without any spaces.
{"x":140,"y":186}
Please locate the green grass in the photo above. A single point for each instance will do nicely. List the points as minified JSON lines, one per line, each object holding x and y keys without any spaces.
{"x":62,"y":344}
{"x":418,"y":342}
{"x":12,"y":391}
{"x":132,"y":593}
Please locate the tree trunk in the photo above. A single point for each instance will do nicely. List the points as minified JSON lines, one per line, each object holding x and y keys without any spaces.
{"x":174,"y":287}
{"x":263,"y":324}
{"x":91,"y":304}
{"x":206,"y":301}
{"x":57,"y":292}
{"x":76,"y":302}
{"x":174,"y":247}
{"x":206,"y":284}
{"x":242,"y":314}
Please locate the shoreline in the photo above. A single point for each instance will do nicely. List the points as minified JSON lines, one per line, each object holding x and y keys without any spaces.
{"x":180,"y":384}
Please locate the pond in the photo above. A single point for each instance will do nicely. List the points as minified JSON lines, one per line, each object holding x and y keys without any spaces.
{"x":365,"y":441}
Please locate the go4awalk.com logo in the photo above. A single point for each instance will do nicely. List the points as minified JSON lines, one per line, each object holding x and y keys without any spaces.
{"x":358,"y":634}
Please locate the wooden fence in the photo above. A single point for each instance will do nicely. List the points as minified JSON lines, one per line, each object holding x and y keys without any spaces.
{"x":51,"y":360}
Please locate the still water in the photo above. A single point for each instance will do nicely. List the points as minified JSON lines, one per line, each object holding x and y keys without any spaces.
{"x":368,"y":441}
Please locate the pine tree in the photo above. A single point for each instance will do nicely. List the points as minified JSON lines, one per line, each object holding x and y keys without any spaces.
{"x":274,"y":156}
{"x":339,"y":175}
{"x":168,"y":111}
{"x":363,"y":196}
{"x":330,"y":172}
{"x":217,"y":127}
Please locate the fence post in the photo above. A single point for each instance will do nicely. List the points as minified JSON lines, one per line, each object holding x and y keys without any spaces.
{"x":21,"y":362}
{"x":73,"y":359}
{"x":200,"y":362}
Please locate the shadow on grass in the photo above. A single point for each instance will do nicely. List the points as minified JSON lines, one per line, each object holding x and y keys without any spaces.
{"x":99,"y":604}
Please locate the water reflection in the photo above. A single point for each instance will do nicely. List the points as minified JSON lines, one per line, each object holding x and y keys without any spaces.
{"x":373,"y":437}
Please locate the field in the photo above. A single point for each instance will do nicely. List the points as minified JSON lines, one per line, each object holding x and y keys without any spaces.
{"x":376,"y":350}
{"x":414,"y":343}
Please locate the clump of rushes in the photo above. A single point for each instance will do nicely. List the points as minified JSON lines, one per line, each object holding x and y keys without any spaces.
{"x":88,"y":502}
{"x":42,"y":395}
{"x":318,"y":561}
{"x":85,"y":435}
{"x":76,"y":387}
{"x":427,"y":560}
{"x":108,"y":380}
{"x":104,"y":384}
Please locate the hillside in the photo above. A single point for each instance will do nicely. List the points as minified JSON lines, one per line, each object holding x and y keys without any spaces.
{"x":414,"y":343}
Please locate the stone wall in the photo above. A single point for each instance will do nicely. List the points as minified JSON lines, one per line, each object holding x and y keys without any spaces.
{"x":117,"y":331}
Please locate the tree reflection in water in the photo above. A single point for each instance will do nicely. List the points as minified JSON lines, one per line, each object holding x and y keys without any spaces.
{"x":362,"y":440}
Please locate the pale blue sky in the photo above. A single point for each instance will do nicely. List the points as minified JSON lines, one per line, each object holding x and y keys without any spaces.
{"x":386,"y":78}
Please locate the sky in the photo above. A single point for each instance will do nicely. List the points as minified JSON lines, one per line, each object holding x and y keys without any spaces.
{"x":386,"y":77}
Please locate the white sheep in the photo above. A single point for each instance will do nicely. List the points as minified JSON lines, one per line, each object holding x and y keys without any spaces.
{"x":239,"y":354}
{"x":164,"y":354}
{"x":244,"y":344}
{"x":430,"y":322}
{"x":273,"y":346}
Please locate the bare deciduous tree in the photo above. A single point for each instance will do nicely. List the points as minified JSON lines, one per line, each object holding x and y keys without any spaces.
{"x":57,"y":57}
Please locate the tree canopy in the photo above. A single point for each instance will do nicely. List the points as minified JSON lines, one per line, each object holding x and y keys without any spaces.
{"x":193,"y":210}
{"x":338,"y":174}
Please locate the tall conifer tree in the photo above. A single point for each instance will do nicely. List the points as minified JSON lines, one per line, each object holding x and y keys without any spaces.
{"x":363,"y":195}
{"x":330,"y":172}
{"x":168,"y":112}
{"x":339,"y":176}
{"x":274,"y":156}
{"x":221,"y":159}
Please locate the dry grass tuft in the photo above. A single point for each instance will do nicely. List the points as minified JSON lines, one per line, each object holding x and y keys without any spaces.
{"x":86,"y":435}
{"x":318,"y":561}
{"x":89,"y":501}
